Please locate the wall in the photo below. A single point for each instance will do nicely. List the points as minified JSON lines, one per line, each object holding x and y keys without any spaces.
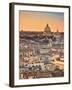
{"x":4,"y":43}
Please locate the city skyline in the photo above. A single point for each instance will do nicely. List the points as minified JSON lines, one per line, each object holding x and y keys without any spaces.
{"x":36,"y":21}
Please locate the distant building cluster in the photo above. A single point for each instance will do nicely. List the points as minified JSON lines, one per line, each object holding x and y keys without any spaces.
{"x":41,"y":54}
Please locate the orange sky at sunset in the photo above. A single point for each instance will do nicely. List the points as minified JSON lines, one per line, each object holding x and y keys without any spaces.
{"x":36,"y":21}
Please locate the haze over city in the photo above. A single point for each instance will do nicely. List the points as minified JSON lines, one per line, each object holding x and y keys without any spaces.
{"x":36,"y":21}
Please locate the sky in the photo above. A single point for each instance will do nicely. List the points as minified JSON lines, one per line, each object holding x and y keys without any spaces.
{"x":36,"y":21}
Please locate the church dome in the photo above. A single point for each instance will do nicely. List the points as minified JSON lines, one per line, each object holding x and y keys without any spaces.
{"x":47,"y":29}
